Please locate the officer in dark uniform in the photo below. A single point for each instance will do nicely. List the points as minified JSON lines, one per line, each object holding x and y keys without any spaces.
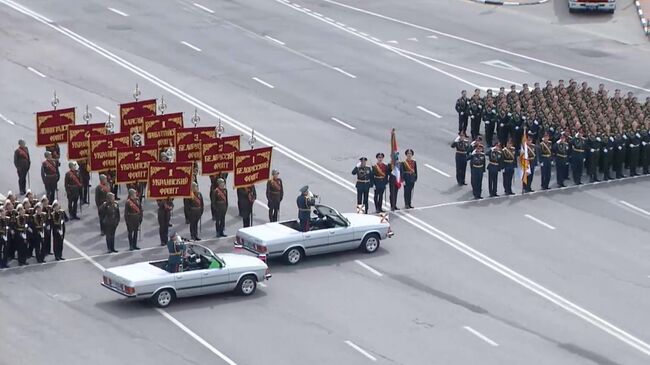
{"x":195,"y":207}
{"x":101,"y":192}
{"x":364,"y":182}
{"x":50,"y":175}
{"x":619,"y":154}
{"x":165,"y":207}
{"x":379,"y":180}
{"x":494,"y":165}
{"x":73,"y":187}
{"x":410,"y":168}
{"x":475,"y":112}
{"x":503,"y":126}
{"x":577,"y":157}
{"x":46,"y":244}
{"x":37,"y":228}
{"x":393,"y":184}
{"x":545,"y":158}
{"x":634,"y":144}
{"x":220,"y":206}
{"x":593,"y":156}
{"x":462,"y":108}
{"x":176,"y":248}
{"x":133,"y":218}
{"x":55,"y":150}
{"x":58,"y":219}
{"x":561,"y":151}
{"x":213,"y":185}
{"x":645,"y":148}
{"x":607,"y":154}
{"x":22,"y":162}
{"x":19,"y":234}
{"x":532,"y":162}
{"x":490,"y":120}
{"x":477,"y":168}
{"x":109,"y":215}
{"x":84,"y":174}
{"x":274,"y":195}
{"x":246,"y":197}
{"x":509,"y":164}
{"x":115,"y":188}
{"x":4,"y":237}
{"x":304,"y":202}
{"x":461,"y":144}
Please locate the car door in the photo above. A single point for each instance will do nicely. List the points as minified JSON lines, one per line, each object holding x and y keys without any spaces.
{"x":188,"y":283}
{"x":316,"y":242}
{"x":217,"y":280}
{"x":341,"y":238}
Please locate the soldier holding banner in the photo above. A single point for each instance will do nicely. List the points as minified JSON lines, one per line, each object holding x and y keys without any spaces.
{"x":22,"y":163}
{"x":133,"y":219}
{"x":50,"y":175}
{"x":84,"y":174}
{"x":194,"y":206}
{"x":73,"y":186}
{"x":219,"y":197}
{"x":246,"y":196}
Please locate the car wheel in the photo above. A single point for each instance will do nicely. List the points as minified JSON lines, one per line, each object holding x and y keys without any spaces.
{"x":163,"y":298}
{"x":293,"y":255}
{"x":370,"y":243}
{"x":247,"y":285}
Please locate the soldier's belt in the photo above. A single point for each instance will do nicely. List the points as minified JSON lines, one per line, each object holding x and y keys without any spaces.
{"x":563,"y":156}
{"x":175,"y":254}
{"x":463,"y":152}
{"x":577,"y":150}
{"x":494,"y":163}
{"x":363,"y":181}
{"x":304,"y":210}
{"x":478,"y":166}
{"x":509,"y":161}
{"x":546,"y":155}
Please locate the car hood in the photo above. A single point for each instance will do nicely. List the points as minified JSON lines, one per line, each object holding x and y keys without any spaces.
{"x":358,"y":220}
{"x":269,"y":231}
{"x":136,"y":272}
{"x":234,"y":261}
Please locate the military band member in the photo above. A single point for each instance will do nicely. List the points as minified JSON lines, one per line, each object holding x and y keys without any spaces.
{"x":509,"y":164}
{"x":462,"y":108}
{"x":46,"y":245}
{"x":165,"y":208}
{"x":410,"y":177}
{"x":220,"y":206}
{"x":494,"y":165}
{"x":50,"y":175}
{"x":394,"y":167}
{"x":461,"y":144}
{"x":73,"y":187}
{"x":22,"y":162}
{"x":109,"y":216}
{"x":84,"y":174}
{"x":545,"y":158}
{"x":194,"y":208}
{"x":101,"y":192}
{"x":364,"y":182}
{"x":304,"y":202}
{"x":577,"y":157}
{"x":133,"y":218}
{"x":274,"y":195}
{"x":561,"y":151}
{"x":379,"y":180}
{"x":58,"y":218}
{"x":4,"y":237}
{"x":176,"y":248}
{"x":37,"y":227}
{"x":246,"y":197}
{"x":477,"y":168}
{"x":19,"y":234}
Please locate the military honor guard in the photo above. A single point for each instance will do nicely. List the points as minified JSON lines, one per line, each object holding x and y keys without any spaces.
{"x":461,"y":144}
{"x":133,"y":218}
{"x":364,"y":182}
{"x":73,"y":186}
{"x":305,"y":201}
{"x":545,"y":158}
{"x":246,"y":197}
{"x":532,"y":162}
{"x":379,"y":180}
{"x":84,"y":174}
{"x":19,"y":234}
{"x":194,"y":205}
{"x":22,"y":162}
{"x":477,"y":168}
{"x":462,"y":108}
{"x":619,"y":153}
{"x":220,"y":206}
{"x":274,"y":194}
{"x":509,"y":165}
{"x":101,"y":192}
{"x":410,"y":168}
{"x":165,"y":208}
{"x":494,"y":166}
{"x":577,"y":157}
{"x":4,"y":237}
{"x":58,"y":219}
{"x":37,"y":225}
{"x":475,"y":113}
{"x":394,"y":184}
{"x":593,"y":153}
{"x":50,"y":175}
{"x":634,"y":144}
{"x":561,"y":150}
{"x":607,"y":154}
{"x":213,"y":185}
{"x":109,"y":216}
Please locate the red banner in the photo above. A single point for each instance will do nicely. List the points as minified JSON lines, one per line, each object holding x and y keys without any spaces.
{"x":160,"y":130}
{"x":169,"y":180}
{"x":52,"y":126}
{"x":252,"y":166}
{"x":79,"y":139}
{"x":218,"y":155}
{"x":103,"y":150}
{"x":131,"y":115}
{"x":133,"y":163}
{"x":188,"y":142}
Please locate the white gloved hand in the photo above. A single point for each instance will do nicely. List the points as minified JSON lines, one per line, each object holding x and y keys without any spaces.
{"x":358,"y":164}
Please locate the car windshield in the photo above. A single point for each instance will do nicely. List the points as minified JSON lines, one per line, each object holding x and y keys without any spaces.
{"x":332,"y":214}
{"x":215,"y":261}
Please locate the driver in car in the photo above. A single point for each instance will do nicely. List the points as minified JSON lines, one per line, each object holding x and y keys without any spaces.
{"x":176,"y":249}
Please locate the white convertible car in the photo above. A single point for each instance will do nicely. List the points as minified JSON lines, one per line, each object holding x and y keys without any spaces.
{"x":330,"y":231}
{"x":203,"y":272}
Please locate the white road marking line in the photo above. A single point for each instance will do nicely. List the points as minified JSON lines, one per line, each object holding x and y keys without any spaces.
{"x":429,"y":112}
{"x":6,"y":119}
{"x":35,"y":71}
{"x":487,"y":261}
{"x":432,"y":36}
{"x":352,"y":29}
{"x":345,"y":73}
{"x":364,"y":34}
{"x":483,"y":45}
{"x":367,"y":267}
{"x":264,"y":83}
{"x":204,"y":8}
{"x":331,"y":20}
{"x":375,"y":39}
{"x":118,"y":12}
{"x":539,"y":221}
{"x":634,"y":208}
{"x":360,"y":350}
{"x":84,"y":255}
{"x":191,"y":46}
{"x":393,"y":42}
{"x":104,"y":111}
{"x":343,"y":123}
{"x":436,"y":170}
{"x":317,"y":14}
{"x":274,"y":40}
{"x":337,"y":23}
{"x":413,"y":39}
{"x":480,"y":335}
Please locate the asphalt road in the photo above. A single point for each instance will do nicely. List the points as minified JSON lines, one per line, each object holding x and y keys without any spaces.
{"x":553,"y":277}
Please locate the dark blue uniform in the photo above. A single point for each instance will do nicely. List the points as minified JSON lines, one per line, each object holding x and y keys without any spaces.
{"x":176,"y":250}
{"x":379,"y":180}
{"x":577,"y":158}
{"x":509,"y":164}
{"x":410,"y":176}
{"x":304,"y":211}
{"x":477,"y":166}
{"x":490,"y":119}
{"x":503,"y":128}
{"x":494,"y":166}
{"x":462,"y":108}
{"x":364,"y":183}
{"x":634,"y":144}
{"x":545,"y":157}
{"x":461,"y":145}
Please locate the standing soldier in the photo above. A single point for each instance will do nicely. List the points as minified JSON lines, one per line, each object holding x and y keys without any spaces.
{"x":110,"y":177}
{"x":495,"y":161}
{"x":305,"y":201}
{"x":490,"y":119}
{"x":46,"y":245}
{"x":475,"y":112}
{"x":364,"y":182}
{"x":634,"y":143}
{"x":194,"y":206}
{"x":462,"y":108}
{"x":4,"y":237}
{"x":577,"y":157}
{"x":546,"y":154}
{"x":477,"y":167}
{"x":461,"y":145}
{"x":55,"y":150}
{"x":246,"y":196}
{"x":645,"y":149}
{"x":561,"y":151}
{"x":532,"y":162}
{"x":19,"y":234}
{"x":165,"y":207}
{"x":274,"y":194}
{"x":84,"y":174}
{"x":109,"y":216}
{"x":619,"y":154}
{"x":133,"y":218}
{"x":220,"y":206}
{"x":396,"y":170}
{"x":607,"y":153}
{"x":593,"y":157}
{"x":509,"y":165}
{"x":379,"y":181}
{"x":50,"y":175}
{"x":58,"y":219}
{"x":101,"y":192}
{"x":410,"y":177}
{"x":213,"y":185}
{"x":22,"y":163}
{"x":37,"y":227}
{"x":176,"y":248}
{"x":73,"y":187}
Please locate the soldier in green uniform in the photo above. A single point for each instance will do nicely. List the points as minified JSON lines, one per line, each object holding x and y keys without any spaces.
{"x":109,"y":215}
{"x":545,"y":158}
{"x":462,"y":108}
{"x":274,"y":194}
{"x":133,"y":218}
{"x":593,"y":153}
{"x":577,"y":157}
{"x":246,"y":197}
{"x":194,"y":208}
{"x":461,"y":144}
{"x":509,"y":164}
{"x":494,"y":166}
{"x":220,"y":206}
{"x":364,"y":182}
{"x":213,"y":185}
{"x":101,"y":192}
{"x":165,"y":208}
{"x":477,"y":168}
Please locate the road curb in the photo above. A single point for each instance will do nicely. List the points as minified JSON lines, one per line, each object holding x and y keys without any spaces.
{"x":510,"y":3}
{"x":642,"y":18}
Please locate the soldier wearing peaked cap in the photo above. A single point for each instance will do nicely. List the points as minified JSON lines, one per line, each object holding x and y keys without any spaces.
{"x":101,"y":192}
{"x":219,"y":197}
{"x":305,"y":201}
{"x":19,"y":234}
{"x":46,"y":245}
{"x":109,"y":216}
{"x":545,"y":158}
{"x":37,"y":227}
{"x":165,"y":208}
{"x":58,"y":219}
{"x":410,"y":167}
{"x":84,"y":174}
{"x":194,"y":205}
{"x":461,"y":144}
{"x":379,"y":180}
{"x":246,"y":197}
{"x":22,"y":162}
{"x":73,"y":186}
{"x":50,"y":175}
{"x":462,"y":108}
{"x":274,"y":194}
{"x":477,"y":166}
{"x":364,"y":182}
{"x":133,"y":218}
{"x":561,"y":152}
{"x":494,"y":166}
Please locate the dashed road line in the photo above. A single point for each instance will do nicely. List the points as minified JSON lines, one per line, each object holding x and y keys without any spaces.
{"x":368,"y":267}
{"x":480,"y":335}
{"x":7,"y":119}
{"x":360,"y":350}
{"x":413,"y":39}
{"x":337,"y":23}
{"x":104,"y":111}
{"x":352,"y":29}
{"x":375,"y":39}
{"x":119,"y":12}
{"x":337,"y":120}
{"x":190,"y":45}
{"x":345,"y":72}
{"x":204,"y":8}
{"x":635,"y":208}
{"x":539,"y":221}
{"x":432,"y":36}
{"x":35,"y":71}
{"x":264,"y":83}
{"x":437,"y":170}
{"x":392,"y":41}
{"x":429,"y":112}
{"x":274,"y":40}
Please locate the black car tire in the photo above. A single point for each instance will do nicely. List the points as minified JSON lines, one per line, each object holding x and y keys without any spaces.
{"x":293,"y":255}
{"x":247,"y":285}
{"x":370,"y":243}
{"x":163,"y":298}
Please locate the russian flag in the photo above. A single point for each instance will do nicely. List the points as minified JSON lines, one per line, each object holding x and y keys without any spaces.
{"x":394,"y":153}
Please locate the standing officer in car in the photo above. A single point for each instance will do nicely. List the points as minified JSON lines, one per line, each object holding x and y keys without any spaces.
{"x":176,"y":248}
{"x":109,"y":215}
{"x":379,"y":180}
{"x":22,"y":162}
{"x":364,"y":182}
{"x":305,"y":201}
{"x":274,"y":195}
